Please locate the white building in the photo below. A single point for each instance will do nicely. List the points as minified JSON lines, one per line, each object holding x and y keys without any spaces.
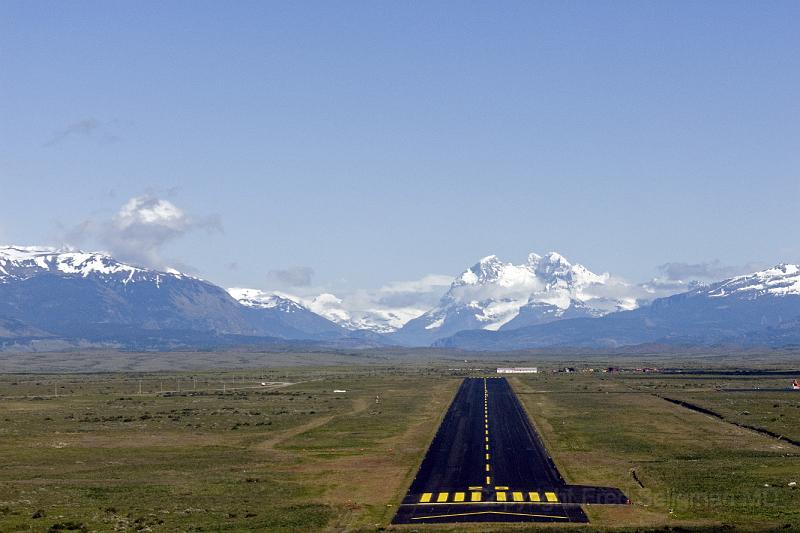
{"x":518,"y":370}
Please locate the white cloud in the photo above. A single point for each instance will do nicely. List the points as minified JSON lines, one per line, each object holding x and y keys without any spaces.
{"x":385,"y":308}
{"x":141,"y":228}
{"x":329,"y":306}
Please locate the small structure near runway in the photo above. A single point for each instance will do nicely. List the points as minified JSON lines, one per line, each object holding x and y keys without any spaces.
{"x":518,"y":370}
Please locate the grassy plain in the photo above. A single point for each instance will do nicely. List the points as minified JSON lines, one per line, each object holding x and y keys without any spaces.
{"x":217,"y":451}
{"x":679,"y":467}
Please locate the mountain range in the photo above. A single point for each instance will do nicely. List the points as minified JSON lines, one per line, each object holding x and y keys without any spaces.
{"x":77,"y":297}
{"x":51,"y":298}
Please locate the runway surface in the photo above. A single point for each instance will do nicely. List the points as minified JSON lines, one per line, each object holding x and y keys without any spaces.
{"x":488,"y":464}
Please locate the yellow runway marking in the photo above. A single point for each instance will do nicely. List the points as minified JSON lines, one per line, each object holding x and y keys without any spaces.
{"x":490,"y":512}
{"x":501,"y":496}
{"x":501,"y":487}
{"x":475,"y":497}
{"x":488,"y":502}
{"x":551,"y":496}
{"x":488,"y":480}
{"x":487,"y":446}
{"x":517,"y":497}
{"x":534,"y":496}
{"x":442,"y":497}
{"x":487,"y":456}
{"x":458,"y":497}
{"x":487,"y":467}
{"x":426,"y":497}
{"x":474,"y":488}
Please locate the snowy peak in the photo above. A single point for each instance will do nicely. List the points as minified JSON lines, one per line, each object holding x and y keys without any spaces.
{"x":488,"y":269}
{"x":258,"y":299}
{"x":492,"y":294}
{"x":780,"y":280}
{"x":23,"y":262}
{"x":538,"y":274}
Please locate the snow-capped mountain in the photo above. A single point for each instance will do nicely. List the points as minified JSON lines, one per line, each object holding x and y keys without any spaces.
{"x":327,"y":306}
{"x":257,"y":299}
{"x":65,"y":291}
{"x":758,"y":308}
{"x":374,"y":319}
{"x":781,"y":280}
{"x":493,"y":294}
{"x":283,"y":316}
{"x":18,"y":263}
{"x":81,"y":295}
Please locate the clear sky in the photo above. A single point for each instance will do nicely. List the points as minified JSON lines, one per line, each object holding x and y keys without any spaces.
{"x":370,"y":142}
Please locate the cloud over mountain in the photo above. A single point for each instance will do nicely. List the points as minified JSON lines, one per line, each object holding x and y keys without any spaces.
{"x":140,"y":229}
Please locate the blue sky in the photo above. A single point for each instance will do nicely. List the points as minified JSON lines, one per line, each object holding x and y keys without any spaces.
{"x":370,"y":142}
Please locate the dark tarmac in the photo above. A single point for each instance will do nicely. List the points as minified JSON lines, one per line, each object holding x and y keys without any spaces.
{"x":488,"y":464}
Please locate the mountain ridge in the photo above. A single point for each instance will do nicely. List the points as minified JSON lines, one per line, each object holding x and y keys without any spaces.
{"x":67,"y":297}
{"x":761,"y":307}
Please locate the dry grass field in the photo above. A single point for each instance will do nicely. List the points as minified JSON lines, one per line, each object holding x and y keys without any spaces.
{"x":217,"y":451}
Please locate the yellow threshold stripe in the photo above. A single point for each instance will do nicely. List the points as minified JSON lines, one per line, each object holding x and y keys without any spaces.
{"x":475,"y":497}
{"x":442,"y":497}
{"x":551,"y":496}
{"x":487,"y":502}
{"x":426,"y":497}
{"x":534,"y":496}
{"x":517,"y":497}
{"x":501,"y":496}
{"x":458,"y":497}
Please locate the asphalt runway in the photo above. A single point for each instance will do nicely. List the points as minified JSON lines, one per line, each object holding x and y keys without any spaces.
{"x":488,"y":464}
